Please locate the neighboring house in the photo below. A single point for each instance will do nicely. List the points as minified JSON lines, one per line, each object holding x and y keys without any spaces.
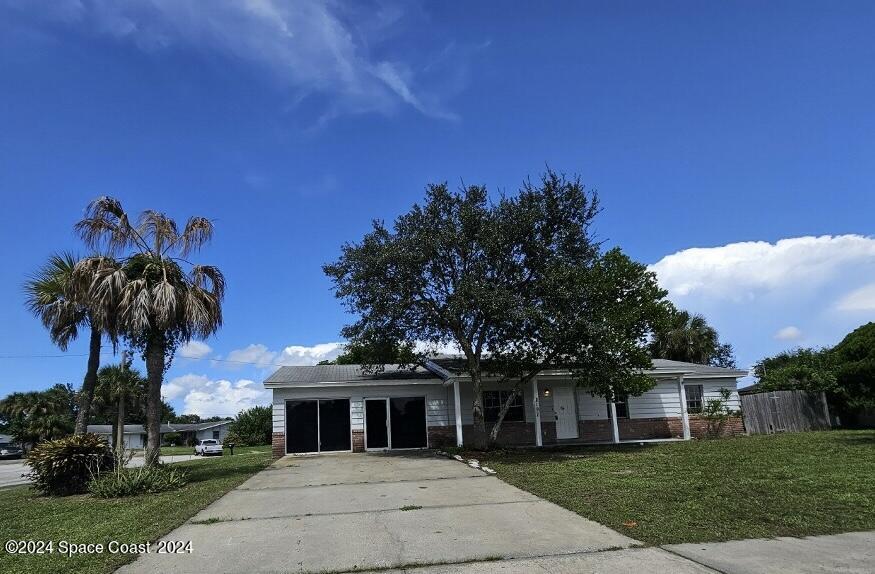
{"x":135,"y":435}
{"x":328,"y":408}
{"x":5,"y":438}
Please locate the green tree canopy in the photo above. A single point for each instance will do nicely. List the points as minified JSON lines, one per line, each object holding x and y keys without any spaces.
{"x":252,"y":427}
{"x":35,"y":416}
{"x":855,"y":366}
{"x":522,"y":279}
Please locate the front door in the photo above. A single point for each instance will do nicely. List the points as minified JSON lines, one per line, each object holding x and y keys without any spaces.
{"x":566,"y":414}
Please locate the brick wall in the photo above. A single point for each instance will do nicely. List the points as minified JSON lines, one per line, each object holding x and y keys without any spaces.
{"x":631,"y":429}
{"x":278,"y":444}
{"x":440,"y":437}
{"x":358,"y":440}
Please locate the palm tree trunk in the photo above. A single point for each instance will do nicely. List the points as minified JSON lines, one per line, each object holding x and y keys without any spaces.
{"x":88,"y":384}
{"x":154,"y":375}
{"x":120,"y":421}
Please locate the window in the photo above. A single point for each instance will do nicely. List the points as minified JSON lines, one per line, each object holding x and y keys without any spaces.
{"x":494,"y":400}
{"x":216,"y":434}
{"x":695,"y":398}
{"x":622,"y":404}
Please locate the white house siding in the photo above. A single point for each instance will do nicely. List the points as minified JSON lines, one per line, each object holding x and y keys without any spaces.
{"x":438,"y":401}
{"x":208,"y":433}
{"x":662,"y":401}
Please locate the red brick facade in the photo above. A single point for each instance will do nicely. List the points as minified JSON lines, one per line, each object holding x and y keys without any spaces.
{"x":358,"y":441}
{"x":278,"y":444}
{"x":520,"y":433}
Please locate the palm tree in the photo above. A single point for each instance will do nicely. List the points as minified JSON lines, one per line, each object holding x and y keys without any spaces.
{"x":52,"y":296}
{"x":685,"y":337}
{"x":153,"y":301}
{"x":35,"y":416}
{"x":123,"y":386}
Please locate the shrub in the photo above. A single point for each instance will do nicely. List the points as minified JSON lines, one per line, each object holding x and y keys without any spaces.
{"x":717,"y":413}
{"x":133,"y":481}
{"x":172,"y":439}
{"x":64,"y":466}
{"x":252,"y":427}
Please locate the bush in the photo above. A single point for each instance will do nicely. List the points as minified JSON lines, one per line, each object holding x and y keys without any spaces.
{"x":66,"y":465}
{"x":172,"y":439}
{"x":133,"y":481}
{"x":252,"y":427}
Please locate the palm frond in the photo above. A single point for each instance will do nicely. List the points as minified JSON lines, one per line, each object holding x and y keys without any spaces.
{"x":136,"y":306}
{"x":106,"y":226}
{"x":166,"y":304}
{"x":203,"y":312}
{"x":198,"y":231}
{"x":209,"y":278}
{"x":159,"y":228}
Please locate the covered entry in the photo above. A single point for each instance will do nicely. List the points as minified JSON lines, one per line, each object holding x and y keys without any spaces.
{"x":317,"y":425}
{"x":396,"y":422}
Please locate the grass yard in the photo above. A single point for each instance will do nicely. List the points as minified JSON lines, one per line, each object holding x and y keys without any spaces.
{"x":82,"y":519}
{"x":746,"y":487}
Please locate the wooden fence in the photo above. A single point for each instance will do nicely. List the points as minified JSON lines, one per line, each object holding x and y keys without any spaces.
{"x":784,"y":411}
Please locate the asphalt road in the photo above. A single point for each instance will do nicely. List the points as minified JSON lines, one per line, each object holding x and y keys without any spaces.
{"x":11,"y":470}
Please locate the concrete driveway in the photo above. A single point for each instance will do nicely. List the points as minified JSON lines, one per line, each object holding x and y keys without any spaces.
{"x":364,"y":511}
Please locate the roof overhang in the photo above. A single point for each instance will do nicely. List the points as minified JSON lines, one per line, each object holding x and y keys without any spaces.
{"x":370,"y":383}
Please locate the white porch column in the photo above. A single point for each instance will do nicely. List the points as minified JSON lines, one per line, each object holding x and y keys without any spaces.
{"x":457,"y":403}
{"x":685,"y":418}
{"x":615,"y":427}
{"x":539,"y":441}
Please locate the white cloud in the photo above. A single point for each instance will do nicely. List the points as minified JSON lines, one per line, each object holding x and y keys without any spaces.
{"x":206,"y":397}
{"x":789,"y":333}
{"x":301,"y":355}
{"x":740,"y":271}
{"x":862,"y":299}
{"x":313,"y":47}
{"x":261,"y":356}
{"x":256,"y":354}
{"x":195,"y":350}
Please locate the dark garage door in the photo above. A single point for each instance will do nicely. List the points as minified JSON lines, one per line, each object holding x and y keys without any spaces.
{"x":311,"y":424}
{"x":407,"y":420}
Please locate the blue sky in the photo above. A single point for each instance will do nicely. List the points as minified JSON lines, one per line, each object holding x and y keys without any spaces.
{"x":732,"y":144}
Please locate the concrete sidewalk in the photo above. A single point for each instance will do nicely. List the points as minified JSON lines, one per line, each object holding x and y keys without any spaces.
{"x":849,"y":553}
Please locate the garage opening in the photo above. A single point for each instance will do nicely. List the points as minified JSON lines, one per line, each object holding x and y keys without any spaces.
{"x":317,"y":425}
{"x":395,"y":423}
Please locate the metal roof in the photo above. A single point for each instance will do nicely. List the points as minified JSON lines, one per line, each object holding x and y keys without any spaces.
{"x":443,"y":368}
{"x":306,"y":375}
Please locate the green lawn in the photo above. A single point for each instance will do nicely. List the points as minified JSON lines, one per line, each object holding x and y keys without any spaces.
{"x":747,"y":487}
{"x":82,"y":519}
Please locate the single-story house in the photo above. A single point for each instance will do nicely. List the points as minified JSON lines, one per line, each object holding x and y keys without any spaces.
{"x":328,"y":408}
{"x":135,"y":435}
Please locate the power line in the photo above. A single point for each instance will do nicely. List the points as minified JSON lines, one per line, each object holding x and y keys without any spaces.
{"x":189,"y":357}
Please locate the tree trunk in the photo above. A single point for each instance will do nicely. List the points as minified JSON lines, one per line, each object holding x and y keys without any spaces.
{"x":90,"y":381}
{"x":120,"y":421}
{"x":493,"y":434}
{"x":479,"y":439}
{"x":155,"y":376}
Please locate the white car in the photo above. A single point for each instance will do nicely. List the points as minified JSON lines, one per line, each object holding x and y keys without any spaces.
{"x":207,"y":447}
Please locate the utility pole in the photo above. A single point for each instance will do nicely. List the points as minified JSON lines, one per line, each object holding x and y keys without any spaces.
{"x":120,"y":420}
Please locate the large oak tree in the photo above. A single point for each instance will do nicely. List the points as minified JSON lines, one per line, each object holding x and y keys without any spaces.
{"x":519,"y":285}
